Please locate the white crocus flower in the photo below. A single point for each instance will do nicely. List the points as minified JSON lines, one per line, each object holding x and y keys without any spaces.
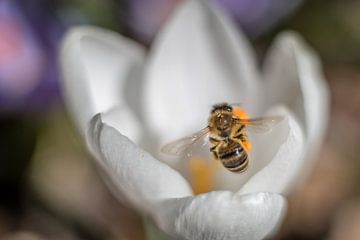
{"x":124,"y":102}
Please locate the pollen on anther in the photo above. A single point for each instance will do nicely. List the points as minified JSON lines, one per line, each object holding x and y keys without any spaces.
{"x":202,"y":173}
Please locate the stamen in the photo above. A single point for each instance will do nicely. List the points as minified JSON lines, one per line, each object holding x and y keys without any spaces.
{"x":202,"y":174}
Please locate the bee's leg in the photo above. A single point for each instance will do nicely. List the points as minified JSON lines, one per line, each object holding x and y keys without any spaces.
{"x":216,"y":144}
{"x":214,"y":153}
{"x":240,"y":134}
{"x":245,"y":141}
{"x":239,"y":130}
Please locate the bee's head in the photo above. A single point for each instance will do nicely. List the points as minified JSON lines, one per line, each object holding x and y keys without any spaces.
{"x":221,"y":107}
{"x":223,"y":121}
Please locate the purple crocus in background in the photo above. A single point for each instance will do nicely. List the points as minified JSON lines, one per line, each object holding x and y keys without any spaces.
{"x":255,"y":17}
{"x":28,"y":69}
{"x":258,"y":16}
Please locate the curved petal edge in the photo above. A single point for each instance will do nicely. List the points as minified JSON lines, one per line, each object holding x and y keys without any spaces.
{"x":287,"y":163}
{"x":222,"y":216}
{"x":132,"y":172}
{"x":89,"y":87}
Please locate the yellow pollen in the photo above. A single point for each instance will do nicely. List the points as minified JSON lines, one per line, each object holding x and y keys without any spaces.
{"x":240,"y":113}
{"x":247,"y":145}
{"x":202,"y":174}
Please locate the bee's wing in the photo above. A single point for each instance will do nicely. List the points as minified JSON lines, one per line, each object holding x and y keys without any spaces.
{"x":260,"y":125}
{"x":236,"y":105}
{"x":180,"y":146}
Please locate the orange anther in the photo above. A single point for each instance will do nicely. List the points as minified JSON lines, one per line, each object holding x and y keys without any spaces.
{"x":202,"y":174}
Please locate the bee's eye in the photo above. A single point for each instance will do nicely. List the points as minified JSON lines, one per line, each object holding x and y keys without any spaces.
{"x":229,"y":108}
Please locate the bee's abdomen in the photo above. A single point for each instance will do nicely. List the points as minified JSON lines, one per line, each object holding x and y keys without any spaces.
{"x":235,"y":160}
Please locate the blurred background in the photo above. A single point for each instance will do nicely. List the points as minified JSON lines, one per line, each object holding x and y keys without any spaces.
{"x":50,"y":190}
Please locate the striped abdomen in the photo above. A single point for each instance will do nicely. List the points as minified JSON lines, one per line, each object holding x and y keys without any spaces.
{"x":233,"y":156}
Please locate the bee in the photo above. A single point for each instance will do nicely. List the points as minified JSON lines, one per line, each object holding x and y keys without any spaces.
{"x":227,"y":136}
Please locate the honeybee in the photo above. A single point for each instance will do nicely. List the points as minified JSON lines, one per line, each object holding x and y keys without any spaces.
{"x":227,"y":136}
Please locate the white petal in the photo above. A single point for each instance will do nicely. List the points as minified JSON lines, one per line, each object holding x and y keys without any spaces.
{"x":293,"y":66}
{"x":97,"y":65}
{"x":199,"y":59}
{"x":295,"y":78}
{"x":279,"y":158}
{"x":123,"y":119}
{"x":161,"y":192}
{"x":222,"y":216}
{"x":131,"y":171}
{"x":314,"y":88}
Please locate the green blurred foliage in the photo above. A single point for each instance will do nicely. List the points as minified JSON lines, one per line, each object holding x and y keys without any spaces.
{"x":330,"y":26}
{"x":104,"y":13}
